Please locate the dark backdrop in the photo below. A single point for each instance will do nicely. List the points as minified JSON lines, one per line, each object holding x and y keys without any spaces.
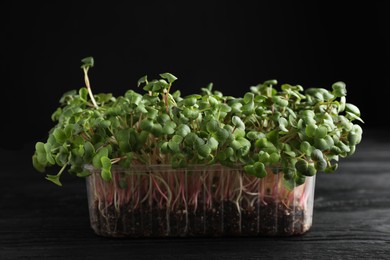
{"x":233,"y":44}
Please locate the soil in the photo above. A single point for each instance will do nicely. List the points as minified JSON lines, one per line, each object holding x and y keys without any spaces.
{"x":223,"y":219}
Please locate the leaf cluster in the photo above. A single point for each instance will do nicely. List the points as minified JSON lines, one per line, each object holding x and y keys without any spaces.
{"x":288,"y":129}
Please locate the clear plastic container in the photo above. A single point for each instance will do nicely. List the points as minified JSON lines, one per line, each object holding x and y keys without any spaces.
{"x":158,"y":201}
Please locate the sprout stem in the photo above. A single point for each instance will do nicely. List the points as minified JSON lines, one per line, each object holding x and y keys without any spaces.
{"x":88,"y":85}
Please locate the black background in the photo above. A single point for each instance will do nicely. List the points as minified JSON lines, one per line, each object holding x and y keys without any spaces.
{"x":233,"y":44}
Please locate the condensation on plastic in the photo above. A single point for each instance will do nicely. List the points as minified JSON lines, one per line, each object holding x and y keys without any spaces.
{"x":158,"y":201}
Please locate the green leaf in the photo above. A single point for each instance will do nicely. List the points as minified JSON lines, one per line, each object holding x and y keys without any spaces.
{"x":329,"y":140}
{"x":305,"y":168}
{"x":283,"y":123}
{"x":62,"y":157}
{"x":280,"y":101}
{"x":355,"y":136}
{"x":290,"y":153}
{"x":190,"y":101}
{"x":248,"y":97}
{"x":224,"y":108}
{"x":352,"y":117}
{"x":37,"y":165}
{"x":238,"y":122}
{"x":163,"y":118}
{"x":307,"y":116}
{"x":222,"y":135}
{"x":236,"y":145}
{"x":332,"y":168}
{"x":264,"y":157}
{"x":174,"y":145}
{"x":143,"y":79}
{"x":343,"y":147}
{"x":147,"y":125}
{"x":317,"y":155}
{"x":83,"y":93}
{"x":342,"y":104}
{"x":54,"y":178}
{"x":274,"y":158}
{"x":270,"y":82}
{"x":168,"y":76}
{"x":213,"y":143}
{"x":40,"y":147}
{"x":301,"y":166}
{"x":49,"y":156}
{"x":157,"y":130}
{"x":352,"y":150}
{"x":106,"y":168}
{"x":239,"y":133}
{"x":56,"y":115}
{"x":183,"y":130}
{"x":306,"y":148}
{"x":204,"y":150}
{"x":236,"y":108}
{"x":190,"y":139}
{"x":122,"y":136}
{"x":320,"y":165}
{"x":96,"y":161}
{"x":253,"y":135}
{"x":103,"y":98}
{"x":106,"y":163}
{"x":168,"y":130}
{"x":339,"y":89}
{"x":299,"y":179}
{"x":83,"y":174}
{"x":321,"y":144}
{"x":213,"y":101}
{"x":69,"y":130}
{"x":352,"y":108}
{"x":106,"y":175}
{"x":178,"y":160}
{"x":212,"y":126}
{"x":164,"y":148}
{"x":249,"y":169}
{"x":177,"y":139}
{"x":88,"y":62}
{"x":141,"y":108}
{"x":260,"y":171}
{"x":320,"y":132}
{"x":311,"y":170}
{"x":41,"y":153}
{"x":310,"y":130}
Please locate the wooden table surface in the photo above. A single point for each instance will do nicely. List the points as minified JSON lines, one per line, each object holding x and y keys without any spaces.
{"x":39,"y":220}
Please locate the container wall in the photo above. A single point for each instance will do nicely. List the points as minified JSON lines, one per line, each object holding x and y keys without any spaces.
{"x":198,"y":201}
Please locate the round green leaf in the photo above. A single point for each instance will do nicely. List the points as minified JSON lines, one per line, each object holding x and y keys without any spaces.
{"x":310,"y":130}
{"x":302,"y":166}
{"x":238,"y":122}
{"x":352,"y":108}
{"x":306,"y":148}
{"x":339,"y":89}
{"x":264,"y":157}
{"x":260,"y":171}
{"x":204,"y":150}
{"x":282,"y":124}
{"x":147,"y":125}
{"x":320,"y":132}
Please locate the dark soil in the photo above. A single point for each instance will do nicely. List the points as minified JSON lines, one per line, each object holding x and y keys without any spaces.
{"x":223,"y":219}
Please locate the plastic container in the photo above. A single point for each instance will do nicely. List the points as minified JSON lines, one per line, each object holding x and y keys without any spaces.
{"x":158,"y":201}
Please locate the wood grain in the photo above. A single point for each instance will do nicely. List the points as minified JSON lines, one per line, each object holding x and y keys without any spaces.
{"x":351,"y":218}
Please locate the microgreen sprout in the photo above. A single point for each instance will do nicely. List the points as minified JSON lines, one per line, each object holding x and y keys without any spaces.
{"x":288,"y":129}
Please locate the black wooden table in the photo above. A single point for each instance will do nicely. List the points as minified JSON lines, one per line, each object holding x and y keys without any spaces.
{"x":39,"y":220}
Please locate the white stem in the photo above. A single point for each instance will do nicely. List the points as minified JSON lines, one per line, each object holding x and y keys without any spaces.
{"x":88,"y":85}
